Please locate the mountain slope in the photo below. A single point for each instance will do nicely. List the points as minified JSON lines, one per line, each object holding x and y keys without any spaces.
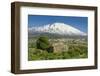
{"x":56,"y":29}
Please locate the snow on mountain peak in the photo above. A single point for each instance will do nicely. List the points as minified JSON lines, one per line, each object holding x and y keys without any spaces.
{"x":57,"y":28}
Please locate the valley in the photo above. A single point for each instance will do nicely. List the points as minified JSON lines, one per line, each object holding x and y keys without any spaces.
{"x":64,"y":48}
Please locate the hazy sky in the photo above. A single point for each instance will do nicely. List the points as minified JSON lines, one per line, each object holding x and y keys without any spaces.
{"x":80,"y":23}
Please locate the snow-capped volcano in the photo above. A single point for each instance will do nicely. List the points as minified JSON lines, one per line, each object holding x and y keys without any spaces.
{"x":58,"y":29}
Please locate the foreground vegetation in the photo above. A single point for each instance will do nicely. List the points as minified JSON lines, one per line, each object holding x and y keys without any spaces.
{"x":76,"y":49}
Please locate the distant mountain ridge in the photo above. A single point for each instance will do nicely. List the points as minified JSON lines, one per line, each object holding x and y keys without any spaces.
{"x":60,"y":29}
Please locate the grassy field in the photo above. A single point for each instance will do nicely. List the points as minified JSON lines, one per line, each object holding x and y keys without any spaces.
{"x":76,"y":48}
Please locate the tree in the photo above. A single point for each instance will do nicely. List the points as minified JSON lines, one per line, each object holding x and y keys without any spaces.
{"x":43,"y":43}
